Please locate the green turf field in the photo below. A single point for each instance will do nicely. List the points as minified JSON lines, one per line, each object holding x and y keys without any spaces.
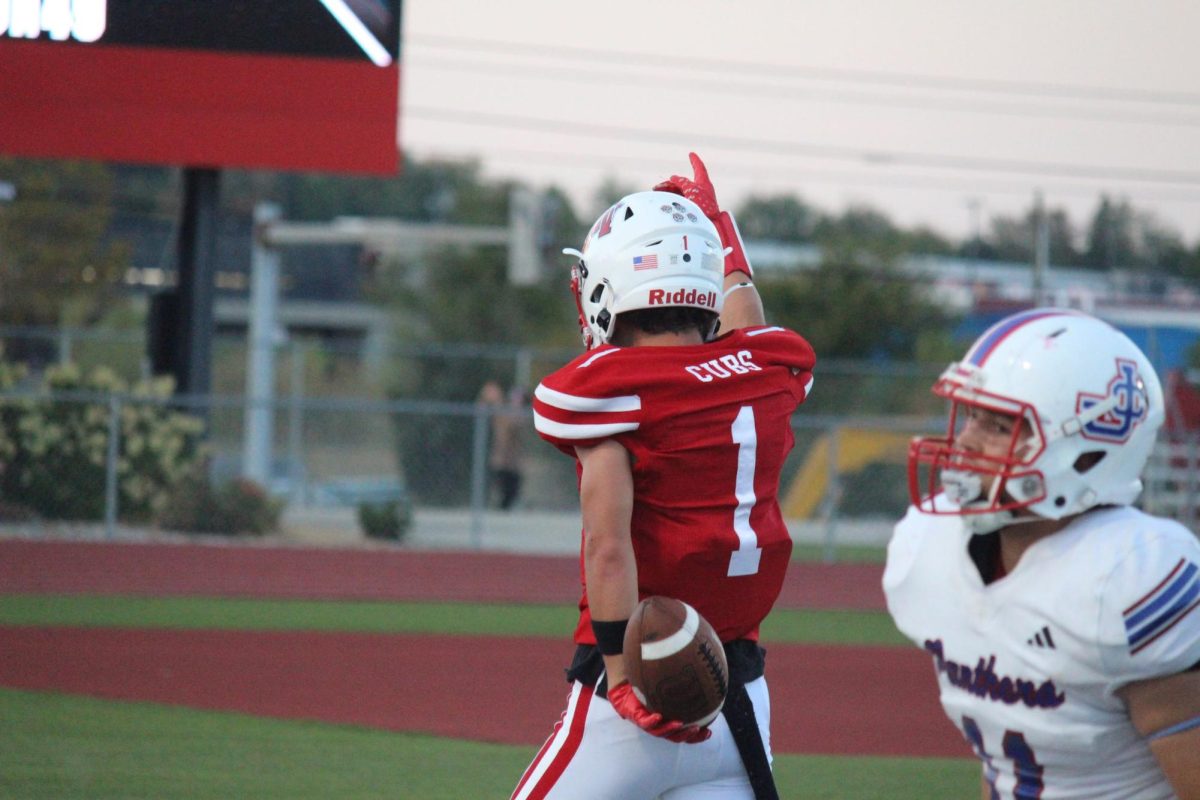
{"x":56,"y":747}
{"x":60,"y":747}
{"x":840,"y":553}
{"x":784,"y":625}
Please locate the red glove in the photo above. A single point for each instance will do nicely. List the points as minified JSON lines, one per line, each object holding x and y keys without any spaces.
{"x":627,"y":706}
{"x":701,"y":192}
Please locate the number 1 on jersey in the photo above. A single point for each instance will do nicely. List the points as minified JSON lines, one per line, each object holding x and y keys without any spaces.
{"x":744,"y":560}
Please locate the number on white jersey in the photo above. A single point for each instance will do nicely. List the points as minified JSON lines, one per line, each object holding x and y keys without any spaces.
{"x":1025,"y":765}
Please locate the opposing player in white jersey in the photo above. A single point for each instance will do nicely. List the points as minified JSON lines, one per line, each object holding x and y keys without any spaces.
{"x":679,"y":436}
{"x":1063,"y":624}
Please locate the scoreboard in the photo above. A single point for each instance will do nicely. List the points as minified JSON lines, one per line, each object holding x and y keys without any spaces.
{"x":271,"y":84}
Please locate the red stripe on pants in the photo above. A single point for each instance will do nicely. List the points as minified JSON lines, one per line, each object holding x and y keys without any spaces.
{"x":565,"y":753}
{"x":546,"y":746}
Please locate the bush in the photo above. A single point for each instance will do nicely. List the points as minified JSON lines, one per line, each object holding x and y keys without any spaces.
{"x":54,"y":444}
{"x":15,"y":512}
{"x":390,"y":520}
{"x":238,"y":506}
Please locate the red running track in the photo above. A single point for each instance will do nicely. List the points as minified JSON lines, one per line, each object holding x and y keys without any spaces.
{"x":235,"y":570}
{"x":824,"y":699}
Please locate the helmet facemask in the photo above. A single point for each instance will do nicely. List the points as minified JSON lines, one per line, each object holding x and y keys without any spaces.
{"x":987,"y":489}
{"x":578,"y":276}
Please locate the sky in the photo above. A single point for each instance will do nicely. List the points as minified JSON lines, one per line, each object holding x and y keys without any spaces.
{"x":937,"y":113}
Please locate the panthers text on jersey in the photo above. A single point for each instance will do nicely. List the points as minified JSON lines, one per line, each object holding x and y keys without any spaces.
{"x":708,"y":427}
{"x":1028,"y":665}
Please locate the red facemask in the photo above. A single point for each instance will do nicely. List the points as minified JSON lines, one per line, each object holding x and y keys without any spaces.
{"x":938,"y":464}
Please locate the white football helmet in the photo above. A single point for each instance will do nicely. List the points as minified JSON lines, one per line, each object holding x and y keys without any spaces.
{"x":649,"y":250}
{"x":1092,"y":405}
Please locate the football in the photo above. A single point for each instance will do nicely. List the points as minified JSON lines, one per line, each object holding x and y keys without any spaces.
{"x":675,"y":662}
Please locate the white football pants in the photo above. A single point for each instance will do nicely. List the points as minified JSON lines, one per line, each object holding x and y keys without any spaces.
{"x":595,"y":755}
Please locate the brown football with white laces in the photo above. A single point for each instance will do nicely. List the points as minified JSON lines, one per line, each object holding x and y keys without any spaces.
{"x":675,"y":662}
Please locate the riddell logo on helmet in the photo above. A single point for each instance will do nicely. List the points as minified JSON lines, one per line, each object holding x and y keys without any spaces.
{"x":682,"y":297}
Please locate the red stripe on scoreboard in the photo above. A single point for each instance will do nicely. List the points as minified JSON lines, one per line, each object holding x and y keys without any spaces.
{"x":198,"y":108}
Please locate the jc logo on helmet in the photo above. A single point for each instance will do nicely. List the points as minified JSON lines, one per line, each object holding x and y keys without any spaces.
{"x":1131,"y":406}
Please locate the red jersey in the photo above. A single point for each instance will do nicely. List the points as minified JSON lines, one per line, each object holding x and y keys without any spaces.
{"x":708,"y":427}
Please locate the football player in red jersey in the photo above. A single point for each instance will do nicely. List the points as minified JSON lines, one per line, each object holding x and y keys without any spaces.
{"x":680,"y":427}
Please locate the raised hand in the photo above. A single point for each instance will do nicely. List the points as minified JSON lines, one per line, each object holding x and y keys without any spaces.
{"x":698,"y":189}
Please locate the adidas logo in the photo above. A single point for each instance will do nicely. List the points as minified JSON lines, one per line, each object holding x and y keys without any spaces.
{"x":1042,"y":638}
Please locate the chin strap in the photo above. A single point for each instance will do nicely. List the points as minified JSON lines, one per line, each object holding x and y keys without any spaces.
{"x":987,"y":523}
{"x":980,"y":524}
{"x":964,"y":488}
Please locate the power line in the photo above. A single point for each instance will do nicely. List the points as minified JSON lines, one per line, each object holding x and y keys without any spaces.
{"x":589,"y":162}
{"x":902,"y":79}
{"x":742,"y":88}
{"x":809,"y":149}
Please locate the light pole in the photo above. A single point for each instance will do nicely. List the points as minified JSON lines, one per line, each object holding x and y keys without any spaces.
{"x":8,"y":193}
{"x":975,"y":210}
{"x":1041,"y":249}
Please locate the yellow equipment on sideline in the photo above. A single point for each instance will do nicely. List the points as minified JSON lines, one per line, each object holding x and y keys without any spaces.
{"x":856,"y":448}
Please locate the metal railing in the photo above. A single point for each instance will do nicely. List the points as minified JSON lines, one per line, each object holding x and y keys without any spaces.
{"x":845,"y":481}
{"x":1172,"y":479}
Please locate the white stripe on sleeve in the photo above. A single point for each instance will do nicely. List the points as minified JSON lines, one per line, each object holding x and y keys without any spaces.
{"x":563,"y":430}
{"x":570,"y":402}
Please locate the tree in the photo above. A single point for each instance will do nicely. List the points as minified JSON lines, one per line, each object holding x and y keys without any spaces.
{"x":55,"y":265}
{"x":465,"y":298}
{"x":783,"y":218}
{"x":857,"y":231}
{"x":1110,"y":237}
{"x":1122,"y":237}
{"x":560,"y":226}
{"x":608,"y":192}
{"x":1191,"y":266}
{"x":1015,"y":238}
{"x":425,"y":191}
{"x":926,"y":241}
{"x":1162,"y":249}
{"x":849,"y":309}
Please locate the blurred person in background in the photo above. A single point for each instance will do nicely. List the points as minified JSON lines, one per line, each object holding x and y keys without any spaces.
{"x":1063,"y":624}
{"x":504,"y":453}
{"x":505,"y":461}
{"x":679,"y":430}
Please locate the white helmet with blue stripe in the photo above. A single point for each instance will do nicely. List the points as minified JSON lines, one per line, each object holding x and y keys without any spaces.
{"x":1091,"y":405}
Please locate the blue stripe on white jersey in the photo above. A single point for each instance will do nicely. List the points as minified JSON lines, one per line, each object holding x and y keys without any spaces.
{"x":1174,"y":598}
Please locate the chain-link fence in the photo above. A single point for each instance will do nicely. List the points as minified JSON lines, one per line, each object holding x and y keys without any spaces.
{"x":114,"y":464}
{"x":343,"y":430}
